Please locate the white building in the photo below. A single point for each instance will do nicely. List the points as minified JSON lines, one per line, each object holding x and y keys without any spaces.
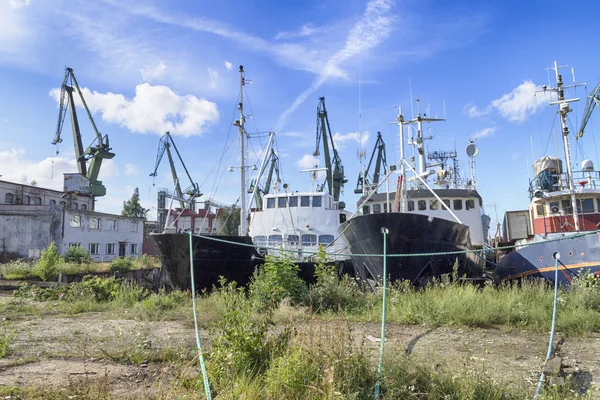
{"x":31,"y":217}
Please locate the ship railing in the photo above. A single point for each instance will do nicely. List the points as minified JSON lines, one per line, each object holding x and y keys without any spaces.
{"x":549,"y":182}
{"x":300,"y":251}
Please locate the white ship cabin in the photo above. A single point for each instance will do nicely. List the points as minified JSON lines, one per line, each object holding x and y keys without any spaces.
{"x":298,"y":222}
{"x":551,"y":210}
{"x":466,"y":205}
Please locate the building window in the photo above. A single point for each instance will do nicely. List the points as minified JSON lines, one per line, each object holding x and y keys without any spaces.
{"x":366,"y":210}
{"x":133,"y":248}
{"x":458,"y":204}
{"x":304,"y":201}
{"x":134,"y":227}
{"x":95,"y":248}
{"x":325,"y":239}
{"x":282,"y":202}
{"x":26,"y":200}
{"x":422,"y":204}
{"x":75,"y":221}
{"x":294,"y":201}
{"x":309,"y":240}
{"x":9,"y":198}
{"x":274,"y":239}
{"x":52,"y":202}
{"x":433,"y":204}
{"x":317,"y":200}
{"x":410,"y":205}
{"x":84,"y":207}
{"x":37,"y":200}
{"x":271,"y":202}
{"x":75,"y":244}
{"x":75,"y":206}
{"x":293,"y":239}
{"x":376,"y":208}
{"x":62,"y":204}
{"x":94,"y":223}
{"x":112,"y":224}
{"x":470,"y":204}
{"x":110,"y":248}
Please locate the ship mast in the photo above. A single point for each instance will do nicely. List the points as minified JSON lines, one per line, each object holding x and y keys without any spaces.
{"x":240,"y":124}
{"x":564,"y":110}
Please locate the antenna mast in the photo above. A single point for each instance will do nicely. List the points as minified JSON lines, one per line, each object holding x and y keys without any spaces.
{"x":240,"y":124}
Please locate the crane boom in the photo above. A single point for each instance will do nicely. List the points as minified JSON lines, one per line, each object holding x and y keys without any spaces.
{"x":273,"y":163}
{"x":593,"y":100}
{"x":186,"y":197}
{"x":364,"y":181}
{"x":335,"y":170}
{"x":93,"y":153}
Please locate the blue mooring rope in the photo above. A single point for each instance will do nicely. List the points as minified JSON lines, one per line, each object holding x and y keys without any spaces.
{"x":376,"y":396}
{"x":198,"y":344}
{"x":542,"y":376}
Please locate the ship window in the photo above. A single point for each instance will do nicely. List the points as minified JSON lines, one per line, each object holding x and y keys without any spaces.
{"x":37,"y":200}
{"x":8,"y":198}
{"x":317,"y":201}
{"x":566,"y":206}
{"x":293,"y":239}
{"x":433,"y":204}
{"x":587,"y":205}
{"x":309,"y":240}
{"x":422,"y":205}
{"x":271,"y":202}
{"x":539,"y":210}
{"x":275,"y":239}
{"x":259,"y":239}
{"x":366,"y":210}
{"x":447,"y":203}
{"x":554,"y":207}
{"x":385,"y":207}
{"x":282,"y":202}
{"x":294,"y":201}
{"x":304,"y":201}
{"x":376,"y":208}
{"x":325,"y":239}
{"x":410,"y":205}
{"x":470,"y":204}
{"x":458,"y":204}
{"x":52,"y":202}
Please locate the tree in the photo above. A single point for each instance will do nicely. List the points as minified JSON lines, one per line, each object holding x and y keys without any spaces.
{"x":229,"y":219}
{"x":133,"y":208}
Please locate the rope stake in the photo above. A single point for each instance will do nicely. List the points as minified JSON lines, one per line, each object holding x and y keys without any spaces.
{"x":384,"y":231}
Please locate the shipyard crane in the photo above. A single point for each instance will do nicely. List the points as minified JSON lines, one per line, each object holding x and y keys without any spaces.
{"x":94,"y":153}
{"x":593,"y":100}
{"x":335,"y":176}
{"x":185,"y":197}
{"x":273,"y":164}
{"x":365,"y":181}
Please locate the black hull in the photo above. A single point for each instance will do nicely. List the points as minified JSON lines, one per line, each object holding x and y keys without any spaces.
{"x":408,"y":234}
{"x":235,"y":259}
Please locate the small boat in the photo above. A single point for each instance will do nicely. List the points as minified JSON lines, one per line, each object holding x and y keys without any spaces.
{"x":564,"y":211}
{"x":423,"y":217}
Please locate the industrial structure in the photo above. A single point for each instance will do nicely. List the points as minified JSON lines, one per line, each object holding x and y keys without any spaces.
{"x":368,"y":182}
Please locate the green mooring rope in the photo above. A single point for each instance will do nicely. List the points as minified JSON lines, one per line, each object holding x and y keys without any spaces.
{"x":384,"y":231}
{"x":198,"y":344}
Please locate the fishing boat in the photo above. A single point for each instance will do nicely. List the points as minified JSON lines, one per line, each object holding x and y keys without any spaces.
{"x":563,"y":216}
{"x":432,"y":211}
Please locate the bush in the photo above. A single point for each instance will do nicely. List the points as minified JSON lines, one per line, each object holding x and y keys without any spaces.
{"x":121,"y":264}
{"x":275,"y":280}
{"x":77,"y":255}
{"x":94,"y":288}
{"x":47,"y":267}
{"x":18,"y":269}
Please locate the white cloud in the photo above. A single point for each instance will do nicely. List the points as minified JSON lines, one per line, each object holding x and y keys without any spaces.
{"x":341,"y":140}
{"x":371,"y":30}
{"x":18,"y":3}
{"x":228,"y":66}
{"x":484,"y":132}
{"x":48,"y":173}
{"x":307,"y":161}
{"x":154,"y":109}
{"x":516,"y":106}
{"x":14,"y":30}
{"x":131,"y":169}
{"x":152,"y":72}
{"x":305,"y":30}
{"x":213,"y":76}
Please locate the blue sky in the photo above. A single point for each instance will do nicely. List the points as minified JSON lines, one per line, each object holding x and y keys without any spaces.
{"x":153,"y":66}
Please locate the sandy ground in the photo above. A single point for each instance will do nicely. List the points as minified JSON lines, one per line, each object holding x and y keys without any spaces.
{"x":90,"y":349}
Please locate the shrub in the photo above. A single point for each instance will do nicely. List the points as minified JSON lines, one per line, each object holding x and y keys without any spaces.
{"x":94,"y":288}
{"x":18,"y":269}
{"x":77,"y":255}
{"x":275,"y":280}
{"x":47,"y":267}
{"x":121,"y":264}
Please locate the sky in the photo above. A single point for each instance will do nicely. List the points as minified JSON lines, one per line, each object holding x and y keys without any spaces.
{"x":147,"y":67}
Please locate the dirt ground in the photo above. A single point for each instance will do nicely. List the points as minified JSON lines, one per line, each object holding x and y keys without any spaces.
{"x":118,"y":353}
